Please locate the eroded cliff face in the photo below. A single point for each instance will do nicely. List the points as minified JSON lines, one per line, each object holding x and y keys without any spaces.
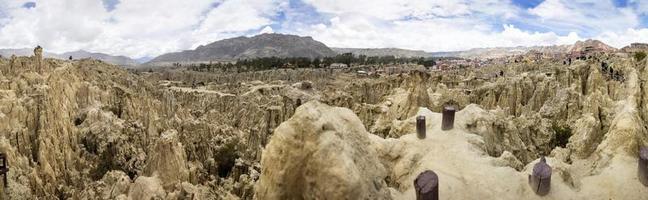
{"x":588,"y":123}
{"x":74,"y":124}
{"x":321,"y":152}
{"x":312,"y":154}
{"x":85,"y":129}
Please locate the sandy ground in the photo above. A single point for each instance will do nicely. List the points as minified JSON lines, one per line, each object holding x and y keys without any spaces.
{"x":466,"y":172}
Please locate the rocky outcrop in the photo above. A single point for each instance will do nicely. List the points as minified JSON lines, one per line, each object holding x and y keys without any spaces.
{"x":79,"y":120}
{"x":321,"y":152}
{"x":457,"y":156}
{"x":88,"y":130}
{"x":147,"y":188}
{"x":114,"y":185}
{"x":591,"y":45}
{"x":167,"y":160}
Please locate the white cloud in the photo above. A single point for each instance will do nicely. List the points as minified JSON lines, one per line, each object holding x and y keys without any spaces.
{"x":436,"y":26}
{"x":267,"y":29}
{"x":234,"y":16}
{"x":429,"y":35}
{"x":397,"y":9}
{"x":140,"y":28}
{"x":44,"y":24}
{"x":135,"y":28}
{"x":464,"y":24}
{"x":624,"y":38}
{"x":552,"y":10}
{"x":586,"y":16}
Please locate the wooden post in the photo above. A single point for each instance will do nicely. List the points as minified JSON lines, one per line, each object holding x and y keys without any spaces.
{"x":426,"y":185}
{"x":447,"y":122}
{"x":420,"y":127}
{"x":643,"y":166}
{"x":4,"y":168}
{"x":540,"y":179}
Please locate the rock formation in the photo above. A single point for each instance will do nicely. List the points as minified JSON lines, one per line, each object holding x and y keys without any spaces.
{"x":321,"y":152}
{"x":38,"y":58}
{"x":167,"y":160}
{"x":84,"y":129}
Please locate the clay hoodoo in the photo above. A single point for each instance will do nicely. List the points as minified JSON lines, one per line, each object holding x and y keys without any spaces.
{"x":455,"y":155}
{"x":321,"y":152}
{"x":84,"y":129}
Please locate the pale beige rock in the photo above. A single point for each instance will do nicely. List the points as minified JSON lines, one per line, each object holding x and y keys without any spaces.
{"x":146,"y":188}
{"x":71,"y":129}
{"x":465,"y":172}
{"x":167,"y":160}
{"x":322,"y":152}
{"x":117,"y":183}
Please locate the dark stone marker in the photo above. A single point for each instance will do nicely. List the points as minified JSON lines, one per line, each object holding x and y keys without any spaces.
{"x":448,"y":118}
{"x":420,"y":127}
{"x":4,"y":168}
{"x":540,"y":180}
{"x":643,"y":166}
{"x":426,"y":185}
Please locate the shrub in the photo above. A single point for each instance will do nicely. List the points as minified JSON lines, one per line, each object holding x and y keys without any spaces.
{"x":561,"y":138}
{"x":639,"y":56}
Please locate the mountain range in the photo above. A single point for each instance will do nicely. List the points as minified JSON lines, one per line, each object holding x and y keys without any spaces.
{"x":115,"y":60}
{"x":383,"y":52}
{"x":264,"y":45}
{"x":281,"y":45}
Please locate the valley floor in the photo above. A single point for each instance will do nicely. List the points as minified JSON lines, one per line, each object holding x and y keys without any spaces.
{"x":85,"y":129}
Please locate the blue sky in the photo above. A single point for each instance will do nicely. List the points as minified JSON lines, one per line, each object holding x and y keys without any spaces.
{"x":146,"y":28}
{"x":527,"y":4}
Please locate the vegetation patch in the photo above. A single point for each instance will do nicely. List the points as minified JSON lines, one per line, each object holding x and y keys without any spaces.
{"x":639,"y":56}
{"x":561,"y":138}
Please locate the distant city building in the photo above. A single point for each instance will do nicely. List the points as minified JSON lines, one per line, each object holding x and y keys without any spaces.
{"x":338,"y":65}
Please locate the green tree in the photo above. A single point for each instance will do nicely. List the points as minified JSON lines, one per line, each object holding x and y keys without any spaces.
{"x":316,"y":63}
{"x":346,"y":58}
{"x":639,"y":56}
{"x":427,"y":62}
{"x":327,"y":61}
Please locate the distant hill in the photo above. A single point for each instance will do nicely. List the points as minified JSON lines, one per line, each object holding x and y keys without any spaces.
{"x":115,"y":60}
{"x":264,"y":45}
{"x":593,"y":44}
{"x":635,"y":47}
{"x":400,"y":53}
{"x":24,"y":52}
{"x":493,"y":52}
{"x":281,"y":45}
{"x":497,"y":52}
